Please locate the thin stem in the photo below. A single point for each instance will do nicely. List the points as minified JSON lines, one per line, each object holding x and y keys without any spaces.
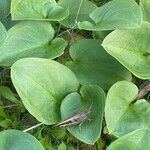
{"x":64,"y":32}
{"x":9,"y":106}
{"x":68,"y":31}
{"x":78,"y":12}
{"x":76,"y":21}
{"x":33,"y":127}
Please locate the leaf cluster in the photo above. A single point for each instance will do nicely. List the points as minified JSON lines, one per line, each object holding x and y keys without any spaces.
{"x":61,"y":58}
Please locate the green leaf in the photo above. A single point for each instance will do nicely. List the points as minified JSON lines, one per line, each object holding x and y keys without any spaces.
{"x":59,"y":133}
{"x":79,"y":10}
{"x":92,"y":65}
{"x":37,"y":10}
{"x":145,"y":5}
{"x":8,"y":23}
{"x":131,"y":48}
{"x":4,"y":8}
{"x":57,"y":47}
{"x":62,"y":146}
{"x":42,"y":84}
{"x":5,"y":16}
{"x":92,"y":96}
{"x":17,"y":140}
{"x":136,"y":140}
{"x":4,"y":122}
{"x":2,"y":113}
{"x":30,"y":39}
{"x":3,"y":33}
{"x":129,"y":116}
{"x":8,"y":94}
{"x":112,"y":15}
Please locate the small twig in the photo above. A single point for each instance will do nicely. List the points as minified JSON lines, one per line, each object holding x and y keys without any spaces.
{"x":33,"y":127}
{"x":144,"y":90}
{"x":64,"y":32}
{"x":9,"y":106}
{"x":70,"y":31}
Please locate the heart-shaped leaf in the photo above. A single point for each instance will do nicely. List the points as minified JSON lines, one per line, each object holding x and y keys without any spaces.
{"x":79,"y":10}
{"x":131,"y":48}
{"x":30,"y":39}
{"x":136,"y":140}
{"x":112,"y":15}
{"x":37,"y":10}
{"x":92,"y":65}
{"x":145,"y":5}
{"x":129,"y":116}
{"x":17,"y":140}
{"x":42,"y":84}
{"x":93,"y":98}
